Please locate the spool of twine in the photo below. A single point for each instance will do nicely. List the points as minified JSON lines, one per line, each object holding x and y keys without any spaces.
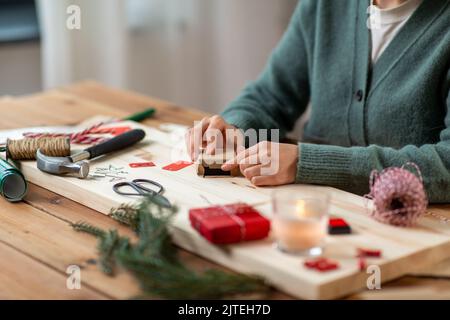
{"x":25,"y":149}
{"x":398,"y":195}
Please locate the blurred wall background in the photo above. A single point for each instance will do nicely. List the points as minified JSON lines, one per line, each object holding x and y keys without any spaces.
{"x":192,"y":52}
{"x":20,"y":67}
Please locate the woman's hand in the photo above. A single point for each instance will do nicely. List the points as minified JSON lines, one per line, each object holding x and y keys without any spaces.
{"x":213,"y":133}
{"x":267,"y":163}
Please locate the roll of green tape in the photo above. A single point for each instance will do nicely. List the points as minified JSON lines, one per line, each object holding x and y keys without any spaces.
{"x":13,"y":186}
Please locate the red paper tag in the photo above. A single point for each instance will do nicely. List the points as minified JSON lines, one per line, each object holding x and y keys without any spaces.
{"x":327,"y":266}
{"x":362,"y":264}
{"x":372,"y":253}
{"x":312,"y":264}
{"x":141,"y":164}
{"x":321,"y":264}
{"x":176,"y":166}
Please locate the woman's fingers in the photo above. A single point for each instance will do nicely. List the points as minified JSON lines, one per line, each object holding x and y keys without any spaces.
{"x":258,"y":154}
{"x":254,"y":159}
{"x":261,"y":163}
{"x":216,"y":135}
{"x":195,"y":136}
{"x":214,"y":139}
{"x":252,"y":171}
{"x":235,"y":162}
{"x":261,"y":181}
{"x":213,"y":134}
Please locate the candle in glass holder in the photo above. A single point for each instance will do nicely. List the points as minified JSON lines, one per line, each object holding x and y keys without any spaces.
{"x":300,"y":221}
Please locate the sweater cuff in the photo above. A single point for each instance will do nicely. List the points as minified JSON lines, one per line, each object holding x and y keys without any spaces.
{"x":324,"y":165}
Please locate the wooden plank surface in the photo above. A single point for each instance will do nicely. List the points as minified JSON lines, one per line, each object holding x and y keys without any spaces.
{"x":23,"y":277}
{"x":117,"y":103}
{"x":53,"y":108}
{"x":404,"y":250}
{"x":56,"y":211}
{"x":51,"y":239}
{"x":65,"y":211}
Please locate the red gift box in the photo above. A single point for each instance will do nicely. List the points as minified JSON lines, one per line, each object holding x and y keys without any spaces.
{"x":230,"y":223}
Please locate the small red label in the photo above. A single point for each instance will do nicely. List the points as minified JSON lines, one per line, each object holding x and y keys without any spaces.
{"x":362,"y":264}
{"x":176,"y":166}
{"x":142,"y":165}
{"x":321,"y":264}
{"x":369,"y":253}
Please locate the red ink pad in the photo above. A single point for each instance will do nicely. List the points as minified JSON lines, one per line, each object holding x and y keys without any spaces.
{"x":176,"y":166}
{"x":338,"y":226}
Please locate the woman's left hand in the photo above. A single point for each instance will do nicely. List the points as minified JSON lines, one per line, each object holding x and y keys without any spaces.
{"x":267,"y":163}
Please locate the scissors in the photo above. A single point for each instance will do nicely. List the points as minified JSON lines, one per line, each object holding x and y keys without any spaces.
{"x":138,"y":185}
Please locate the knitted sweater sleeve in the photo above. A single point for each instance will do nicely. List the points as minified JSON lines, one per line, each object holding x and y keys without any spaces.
{"x":349,"y":168}
{"x":281,"y":94}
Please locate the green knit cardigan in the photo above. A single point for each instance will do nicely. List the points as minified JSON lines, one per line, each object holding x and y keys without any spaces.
{"x":364,"y":116}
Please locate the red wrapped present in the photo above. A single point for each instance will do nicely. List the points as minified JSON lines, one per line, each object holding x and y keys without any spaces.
{"x":230,"y":223}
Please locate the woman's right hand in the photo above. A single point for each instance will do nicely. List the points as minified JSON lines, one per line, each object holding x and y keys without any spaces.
{"x":213,"y":134}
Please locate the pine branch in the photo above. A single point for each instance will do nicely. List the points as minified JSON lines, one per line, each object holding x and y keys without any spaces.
{"x":88,"y":228}
{"x":126,"y":214}
{"x":153,"y":232}
{"x":153,"y":260}
{"x":177,"y":282}
{"x":107,"y":247}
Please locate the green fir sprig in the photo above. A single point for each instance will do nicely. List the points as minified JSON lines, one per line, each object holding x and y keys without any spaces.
{"x":153,"y":259}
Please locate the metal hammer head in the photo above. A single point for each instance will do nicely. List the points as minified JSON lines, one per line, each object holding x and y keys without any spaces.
{"x":62,"y":165}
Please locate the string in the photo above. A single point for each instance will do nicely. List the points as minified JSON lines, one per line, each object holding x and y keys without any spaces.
{"x":26,"y":149}
{"x":398,"y":195}
{"x":82,"y":137}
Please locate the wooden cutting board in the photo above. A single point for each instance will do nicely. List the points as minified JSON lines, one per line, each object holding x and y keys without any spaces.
{"x":404,"y":250}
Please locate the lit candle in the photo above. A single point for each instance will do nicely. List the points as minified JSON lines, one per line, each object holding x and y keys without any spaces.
{"x":300,"y":226}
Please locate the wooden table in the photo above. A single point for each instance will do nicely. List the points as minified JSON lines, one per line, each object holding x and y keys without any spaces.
{"x":37,"y":243}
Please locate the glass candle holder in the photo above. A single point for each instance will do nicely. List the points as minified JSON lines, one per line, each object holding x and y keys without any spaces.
{"x":300,"y":221}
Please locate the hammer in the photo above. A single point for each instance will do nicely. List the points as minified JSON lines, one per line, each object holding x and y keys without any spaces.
{"x":76,"y":165}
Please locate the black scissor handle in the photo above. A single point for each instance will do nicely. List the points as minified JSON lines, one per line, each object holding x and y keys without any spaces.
{"x":144,"y":191}
{"x":140,"y":182}
{"x":120,"y":185}
{"x":137,"y":185}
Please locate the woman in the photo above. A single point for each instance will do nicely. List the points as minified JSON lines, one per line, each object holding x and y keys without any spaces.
{"x":379,"y":93}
